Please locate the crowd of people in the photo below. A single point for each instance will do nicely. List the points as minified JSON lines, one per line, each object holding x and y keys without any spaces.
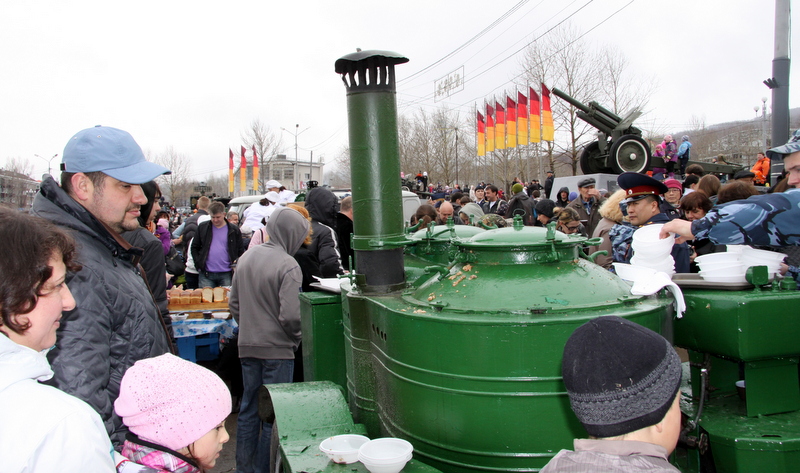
{"x":88,"y":360}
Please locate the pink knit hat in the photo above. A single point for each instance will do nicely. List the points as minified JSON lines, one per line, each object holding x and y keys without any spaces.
{"x":170,"y":401}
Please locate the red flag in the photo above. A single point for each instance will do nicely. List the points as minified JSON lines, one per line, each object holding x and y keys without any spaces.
{"x":481,"y":139}
{"x":243,"y":173}
{"x":500,"y":126}
{"x":536,"y":132}
{"x":230,"y":171}
{"x":490,"y":131}
{"x":511,"y":122}
{"x":548,"y":131}
{"x":522,"y":118}
{"x":255,"y":169}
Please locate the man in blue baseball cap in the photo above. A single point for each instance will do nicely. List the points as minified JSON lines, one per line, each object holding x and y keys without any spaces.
{"x":115,"y":322}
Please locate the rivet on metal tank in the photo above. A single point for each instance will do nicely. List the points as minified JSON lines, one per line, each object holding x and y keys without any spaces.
{"x":374,"y":166}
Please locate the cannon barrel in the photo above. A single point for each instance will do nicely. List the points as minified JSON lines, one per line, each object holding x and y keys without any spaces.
{"x":593,"y":114}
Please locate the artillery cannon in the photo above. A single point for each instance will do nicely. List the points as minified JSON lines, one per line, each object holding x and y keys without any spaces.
{"x":619,"y":146}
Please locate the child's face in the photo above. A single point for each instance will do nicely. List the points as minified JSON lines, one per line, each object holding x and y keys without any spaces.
{"x":206,"y":449}
{"x":672,"y":425}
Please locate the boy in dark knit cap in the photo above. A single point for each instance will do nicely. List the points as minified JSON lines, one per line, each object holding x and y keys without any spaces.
{"x":623,"y":383}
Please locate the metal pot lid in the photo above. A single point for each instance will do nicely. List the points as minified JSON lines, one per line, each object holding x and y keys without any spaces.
{"x":517,"y":236}
{"x":443,"y":232}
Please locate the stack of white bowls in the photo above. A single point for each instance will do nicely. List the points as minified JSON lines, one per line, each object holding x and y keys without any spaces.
{"x":770,"y":259}
{"x":652,"y":252}
{"x":386,"y":455}
{"x":721,"y":267}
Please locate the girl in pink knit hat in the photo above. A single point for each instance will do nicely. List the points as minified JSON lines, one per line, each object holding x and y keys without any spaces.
{"x":175,"y":411}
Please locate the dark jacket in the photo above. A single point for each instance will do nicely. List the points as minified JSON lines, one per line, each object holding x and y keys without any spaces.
{"x":591,"y":218}
{"x":521,"y":204}
{"x":559,"y":202}
{"x":154,"y":267}
{"x":115,"y":323}
{"x":548,"y":186}
{"x":201,"y":244}
{"x":344,"y":228}
{"x":322,"y":206}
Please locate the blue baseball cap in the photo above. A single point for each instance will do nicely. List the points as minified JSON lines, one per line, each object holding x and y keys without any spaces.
{"x":792,"y":146}
{"x":112,"y":152}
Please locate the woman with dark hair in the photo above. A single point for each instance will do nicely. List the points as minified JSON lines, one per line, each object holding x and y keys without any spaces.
{"x":695,"y":206}
{"x":153,"y":257}
{"x":569,"y":222}
{"x":43,"y":428}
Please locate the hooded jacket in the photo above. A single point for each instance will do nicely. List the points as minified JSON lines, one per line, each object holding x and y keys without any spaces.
{"x":522,"y":205}
{"x":322,"y":206}
{"x":264,"y":294}
{"x":559,"y":202}
{"x":116,"y":322}
{"x":43,"y":428}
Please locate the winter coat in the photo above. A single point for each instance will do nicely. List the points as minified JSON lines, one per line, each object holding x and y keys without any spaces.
{"x":521,"y":204}
{"x":151,"y":458}
{"x":548,"y":185}
{"x":166,"y":239}
{"x":761,"y":170}
{"x":190,"y":229}
{"x":201,"y":244}
{"x":670,"y":151}
{"x":116,"y":322}
{"x":344,"y":228}
{"x":559,"y":202}
{"x":769,"y":219}
{"x":43,"y":428}
{"x":592,"y":455}
{"x":264,"y":295}
{"x":322,"y":206}
{"x":601,"y":231}
{"x":154,"y":267}
{"x":684,"y":150}
{"x":591,"y":218}
{"x":254,"y":214}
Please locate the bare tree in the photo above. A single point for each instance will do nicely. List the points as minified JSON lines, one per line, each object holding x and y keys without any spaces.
{"x":586,"y":73}
{"x":16,"y":186}
{"x":338,"y":175}
{"x":174,"y":186}
{"x":267,"y":144}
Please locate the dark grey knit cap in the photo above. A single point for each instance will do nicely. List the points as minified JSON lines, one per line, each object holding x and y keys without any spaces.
{"x":620,"y":376}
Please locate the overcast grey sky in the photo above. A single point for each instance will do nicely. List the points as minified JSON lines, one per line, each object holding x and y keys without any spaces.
{"x":194,"y":74}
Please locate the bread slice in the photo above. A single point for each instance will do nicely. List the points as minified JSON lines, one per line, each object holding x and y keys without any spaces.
{"x":208,"y":294}
{"x":219,"y":294}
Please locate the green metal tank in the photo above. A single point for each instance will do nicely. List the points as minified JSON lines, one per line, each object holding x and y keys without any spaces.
{"x":467,"y":366}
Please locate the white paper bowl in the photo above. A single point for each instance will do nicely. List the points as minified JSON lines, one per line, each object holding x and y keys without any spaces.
{"x":385,"y":455}
{"x":649,"y":234}
{"x":220,"y":315}
{"x":632,"y":273}
{"x":178,"y":317}
{"x":722,"y":278}
{"x":764,"y":256}
{"x":724,"y":257}
{"x":343,"y":448}
{"x":735,"y":248}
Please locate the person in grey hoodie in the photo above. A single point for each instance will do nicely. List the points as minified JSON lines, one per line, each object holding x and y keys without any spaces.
{"x":264,"y":301}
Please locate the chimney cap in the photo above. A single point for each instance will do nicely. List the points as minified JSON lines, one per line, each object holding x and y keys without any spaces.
{"x":391,"y":58}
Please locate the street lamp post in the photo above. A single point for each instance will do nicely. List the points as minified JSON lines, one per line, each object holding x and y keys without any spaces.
{"x":296,"y":165}
{"x":48,"y":161}
{"x":764,"y":123}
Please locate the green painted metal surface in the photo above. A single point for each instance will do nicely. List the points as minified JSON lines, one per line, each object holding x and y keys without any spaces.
{"x":373,"y":130}
{"x":468,"y":368}
{"x":305,"y":415}
{"x":750,"y":335}
{"x":323,"y":337}
{"x":434,"y":244}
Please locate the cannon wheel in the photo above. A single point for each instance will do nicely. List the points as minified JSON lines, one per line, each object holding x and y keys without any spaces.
{"x":590,"y":159}
{"x":629,"y":153}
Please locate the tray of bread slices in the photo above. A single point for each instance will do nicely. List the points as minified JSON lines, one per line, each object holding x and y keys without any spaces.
{"x":199,"y":300}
